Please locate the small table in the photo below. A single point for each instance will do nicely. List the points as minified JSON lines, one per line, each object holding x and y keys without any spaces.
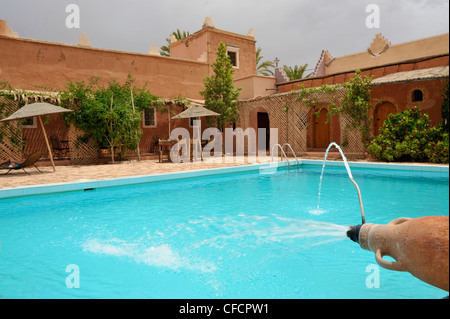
{"x":165,"y":144}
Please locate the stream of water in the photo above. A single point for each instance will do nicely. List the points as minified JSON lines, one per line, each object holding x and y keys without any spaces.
{"x":317,"y":211}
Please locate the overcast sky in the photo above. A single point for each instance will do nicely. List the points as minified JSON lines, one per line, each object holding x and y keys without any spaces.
{"x":295,"y":31}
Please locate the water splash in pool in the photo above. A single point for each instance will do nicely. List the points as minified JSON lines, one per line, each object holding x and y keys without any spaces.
{"x":244,"y":231}
{"x":301,"y":228}
{"x":209,"y":239}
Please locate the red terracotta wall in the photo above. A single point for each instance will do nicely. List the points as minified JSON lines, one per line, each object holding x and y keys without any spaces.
{"x":401,"y":96}
{"x":35,"y":141}
{"x":37,"y":65}
{"x":375,"y":72}
{"x":162,"y":128}
{"x":247,"y":52}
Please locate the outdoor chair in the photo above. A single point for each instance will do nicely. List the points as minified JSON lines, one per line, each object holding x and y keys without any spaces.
{"x":30,"y":161}
{"x":60,"y":148}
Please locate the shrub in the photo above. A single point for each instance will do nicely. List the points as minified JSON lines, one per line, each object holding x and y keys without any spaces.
{"x":409,"y":136}
{"x":437,"y":152}
{"x":111,"y":114}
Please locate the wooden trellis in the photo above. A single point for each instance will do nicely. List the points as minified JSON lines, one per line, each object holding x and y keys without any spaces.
{"x":81,"y":153}
{"x":11,"y":142}
{"x":351,"y":140}
{"x":291,"y":118}
{"x":285,"y":114}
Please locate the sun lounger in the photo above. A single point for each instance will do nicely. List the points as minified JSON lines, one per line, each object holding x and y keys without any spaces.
{"x":30,"y":161}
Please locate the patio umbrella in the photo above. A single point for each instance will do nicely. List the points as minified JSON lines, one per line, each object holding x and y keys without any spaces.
{"x":38,"y":109}
{"x":196,"y":111}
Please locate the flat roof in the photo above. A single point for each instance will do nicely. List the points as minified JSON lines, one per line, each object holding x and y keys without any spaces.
{"x":439,"y":72}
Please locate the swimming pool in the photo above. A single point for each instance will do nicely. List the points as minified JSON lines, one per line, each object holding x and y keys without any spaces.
{"x":236,"y":235}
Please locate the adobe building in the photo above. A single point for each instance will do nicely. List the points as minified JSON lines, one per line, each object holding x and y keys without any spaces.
{"x":35,"y":65}
{"x":202,"y":46}
{"x":265,"y":102}
{"x":405,"y":75}
{"x":31,"y":64}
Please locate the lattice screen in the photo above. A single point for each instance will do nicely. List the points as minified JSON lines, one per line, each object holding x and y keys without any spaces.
{"x":11,"y":141}
{"x":285,"y":114}
{"x":291,"y":119}
{"x":81,"y":153}
{"x":351,"y":142}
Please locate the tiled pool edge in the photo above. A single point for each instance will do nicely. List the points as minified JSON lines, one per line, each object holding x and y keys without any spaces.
{"x":388,"y":166}
{"x":80,"y":185}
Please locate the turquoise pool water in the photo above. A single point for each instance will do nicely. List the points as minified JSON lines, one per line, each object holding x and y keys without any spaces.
{"x":241,"y":235}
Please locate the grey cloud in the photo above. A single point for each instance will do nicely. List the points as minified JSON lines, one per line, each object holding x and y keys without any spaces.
{"x":293,"y":30}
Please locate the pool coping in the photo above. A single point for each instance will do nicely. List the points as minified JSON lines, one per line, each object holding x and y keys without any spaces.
{"x":88,"y":184}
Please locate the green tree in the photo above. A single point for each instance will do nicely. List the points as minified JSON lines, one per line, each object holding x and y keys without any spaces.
{"x":220,"y":94}
{"x":296,"y":72}
{"x":106,"y":113}
{"x":263,"y":68}
{"x":165,"y":49}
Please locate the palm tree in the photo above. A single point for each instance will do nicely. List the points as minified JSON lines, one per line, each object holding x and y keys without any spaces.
{"x":165,"y":51}
{"x":264,"y":67}
{"x":297,"y":72}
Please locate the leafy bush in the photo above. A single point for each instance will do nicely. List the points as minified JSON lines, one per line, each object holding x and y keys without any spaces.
{"x":409,"y":136}
{"x":437,"y":152}
{"x":106,"y":113}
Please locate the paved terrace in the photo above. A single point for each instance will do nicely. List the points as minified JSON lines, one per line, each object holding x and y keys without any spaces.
{"x":74,"y":173}
{"x":65,"y":174}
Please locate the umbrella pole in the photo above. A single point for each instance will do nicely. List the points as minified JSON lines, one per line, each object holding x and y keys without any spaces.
{"x":199,"y":136}
{"x":168,"y":115}
{"x":138,"y":140}
{"x":48,"y":144}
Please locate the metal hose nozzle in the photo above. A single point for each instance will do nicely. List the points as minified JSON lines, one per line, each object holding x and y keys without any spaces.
{"x":353,"y":233}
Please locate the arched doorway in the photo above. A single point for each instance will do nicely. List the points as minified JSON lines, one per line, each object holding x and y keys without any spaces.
{"x":380,"y":114}
{"x":263,"y":122}
{"x":321,"y":130}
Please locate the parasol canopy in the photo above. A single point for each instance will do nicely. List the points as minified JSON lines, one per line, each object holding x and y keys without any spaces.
{"x":38,"y":109}
{"x":35,"y":109}
{"x":195,"y":111}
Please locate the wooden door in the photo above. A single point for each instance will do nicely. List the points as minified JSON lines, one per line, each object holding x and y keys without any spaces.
{"x":321,"y":130}
{"x":380,"y":114}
